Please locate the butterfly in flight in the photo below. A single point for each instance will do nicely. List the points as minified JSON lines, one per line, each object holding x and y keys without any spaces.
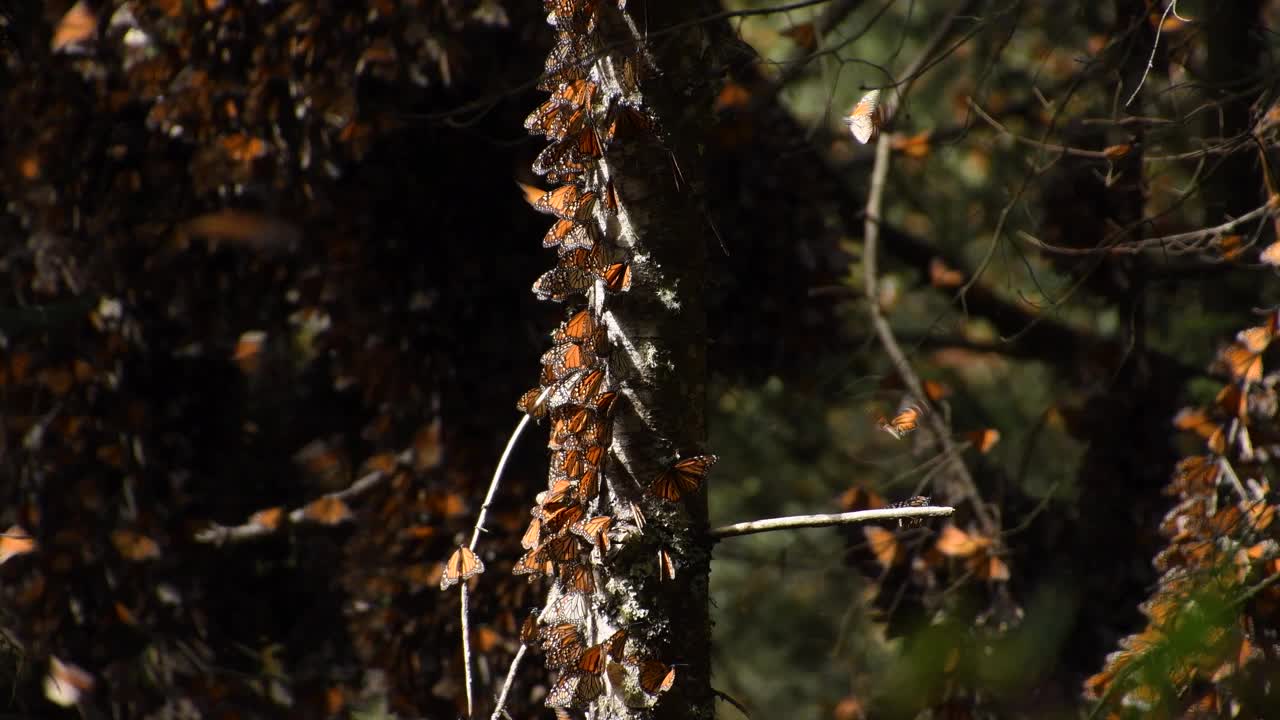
{"x":907,"y":419}
{"x":863,"y":120}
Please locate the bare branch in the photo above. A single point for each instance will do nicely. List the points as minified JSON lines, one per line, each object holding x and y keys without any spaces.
{"x":1172,"y":244}
{"x":511,"y":678}
{"x":871,"y":237}
{"x":794,"y":522}
{"x":217,"y":534}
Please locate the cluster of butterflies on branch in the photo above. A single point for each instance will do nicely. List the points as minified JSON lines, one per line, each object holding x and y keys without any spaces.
{"x":1222,"y":538}
{"x":572,"y":531}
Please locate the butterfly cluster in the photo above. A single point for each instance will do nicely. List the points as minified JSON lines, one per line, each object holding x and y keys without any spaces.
{"x":1221,"y":536}
{"x":575,"y":526}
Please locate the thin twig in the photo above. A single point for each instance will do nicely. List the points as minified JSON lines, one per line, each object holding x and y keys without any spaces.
{"x":1151,"y":60}
{"x":475,"y":537}
{"x":511,"y":678}
{"x":217,"y":534}
{"x":870,"y":243}
{"x":466,"y":647}
{"x":1228,"y":146}
{"x":794,"y":522}
{"x":497,"y":472}
{"x":1174,"y":244}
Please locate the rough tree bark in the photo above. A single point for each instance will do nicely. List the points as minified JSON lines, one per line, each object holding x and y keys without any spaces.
{"x":652,"y":575}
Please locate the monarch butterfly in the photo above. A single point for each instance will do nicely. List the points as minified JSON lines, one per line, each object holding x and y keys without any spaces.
{"x":562,"y":644}
{"x":666,"y":566}
{"x":579,"y":93}
{"x":574,"y":689}
{"x":626,"y":122}
{"x":564,"y":63}
{"x":916,"y":501}
{"x":983,"y":440}
{"x":529,"y":629}
{"x":682,"y":478}
{"x":589,"y":485}
{"x":564,"y":359}
{"x":592,"y":660}
{"x":562,"y":158}
{"x":556,"y":521}
{"x":594,"y":530}
{"x":578,"y":577}
{"x":533,"y":403}
{"x":610,"y":197}
{"x":562,"y":281}
{"x":883,"y":544}
{"x":576,"y":15}
{"x":572,"y":464}
{"x":586,"y":386}
{"x":580,"y":326}
{"x":606,"y":402}
{"x":616,"y":643}
{"x":545,"y":117}
{"x":532,"y":534}
{"x":594,"y":455}
{"x":568,"y":235}
{"x":530,"y":564}
{"x":567,"y":201}
{"x":905,"y":421}
{"x":1197,"y":474}
{"x":462,"y":565}
{"x":863,"y":120}
{"x":1242,"y":363}
{"x":560,"y":549}
{"x":558,"y":493}
{"x":656,"y":677}
{"x":617,"y":277}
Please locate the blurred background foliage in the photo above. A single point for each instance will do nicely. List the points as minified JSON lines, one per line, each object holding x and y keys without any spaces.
{"x":260,"y":252}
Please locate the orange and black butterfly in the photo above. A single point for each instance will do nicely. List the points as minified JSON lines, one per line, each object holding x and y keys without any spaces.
{"x":656,"y":677}
{"x":606,"y":403}
{"x":531,"y":564}
{"x":533,"y":402}
{"x":592,"y":660}
{"x":626,"y":122}
{"x":580,"y":326}
{"x":578,"y":577}
{"x":532,"y":534}
{"x":578,"y":16}
{"x":529,"y":630}
{"x":566,"y":358}
{"x":1243,"y":361}
{"x":568,"y":202}
{"x":915,"y":501}
{"x":562,"y":644}
{"x":683,"y":477}
{"x":585,"y":388}
{"x":574,"y":689}
{"x":562,"y":158}
{"x":666,"y":565}
{"x":578,"y":94}
{"x":566,"y":63}
{"x":559,"y":549}
{"x":546,"y":117}
{"x":617,"y":277}
{"x":563,"y":281}
{"x":568,"y":235}
{"x":589,"y":485}
{"x":594,"y":530}
{"x":461,"y":566}
{"x":562,"y":518}
{"x":907,"y":419}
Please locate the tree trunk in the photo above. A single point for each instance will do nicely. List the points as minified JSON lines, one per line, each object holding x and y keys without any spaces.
{"x":652,"y":575}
